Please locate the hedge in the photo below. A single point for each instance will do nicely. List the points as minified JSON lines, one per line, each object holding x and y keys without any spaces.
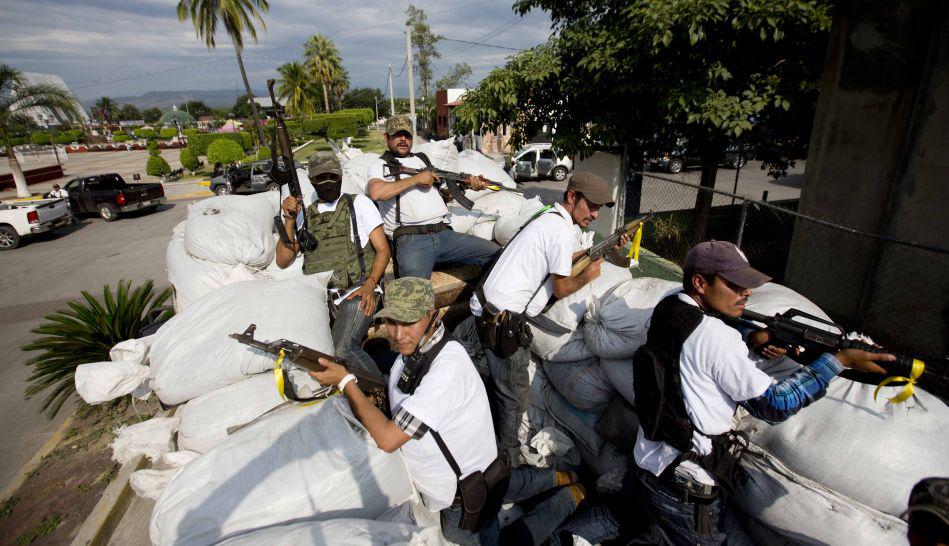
{"x":188,"y":159}
{"x":199,"y":143}
{"x":148,"y":134}
{"x":157,"y":166}
{"x":39,"y":137}
{"x":365,"y":116}
{"x":342,"y":127}
{"x":168,"y":132}
{"x":224,"y":151}
{"x":152,"y":148}
{"x":116,"y":137}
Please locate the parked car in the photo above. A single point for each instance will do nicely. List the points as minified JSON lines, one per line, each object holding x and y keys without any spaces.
{"x":250,"y":178}
{"x":108,"y":195}
{"x":540,"y":161}
{"x":19,"y":219}
{"x":683,"y":158}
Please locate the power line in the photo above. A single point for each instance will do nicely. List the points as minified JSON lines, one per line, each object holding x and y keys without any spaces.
{"x":480,"y":44}
{"x":485,"y":36}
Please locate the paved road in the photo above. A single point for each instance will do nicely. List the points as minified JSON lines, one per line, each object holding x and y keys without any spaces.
{"x":39,"y":277}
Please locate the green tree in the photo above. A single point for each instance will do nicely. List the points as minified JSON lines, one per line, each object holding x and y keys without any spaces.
{"x":238,"y":17}
{"x":242,"y":107}
{"x":197,"y":108}
{"x":295,"y":88}
{"x":16,"y":99}
{"x":157,"y":166}
{"x":363,"y":97}
{"x":339,"y":87}
{"x":129,"y":112}
{"x":220,"y":113}
{"x":424,"y":43}
{"x":457,"y":76}
{"x":188,"y":159}
{"x":323,"y":60}
{"x":107,"y":109}
{"x":649,"y":75}
{"x":151,"y":115}
{"x":152,"y":147}
{"x":85,"y":332}
{"x":224,"y":151}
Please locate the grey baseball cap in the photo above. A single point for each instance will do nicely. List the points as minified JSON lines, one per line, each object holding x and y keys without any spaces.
{"x":592,"y":187}
{"x":725,"y":260}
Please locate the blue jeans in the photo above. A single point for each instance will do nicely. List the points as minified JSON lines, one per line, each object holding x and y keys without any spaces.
{"x":508,"y":392}
{"x":349,"y":330}
{"x":534,"y":527}
{"x":677,"y":518}
{"x":418,"y":254}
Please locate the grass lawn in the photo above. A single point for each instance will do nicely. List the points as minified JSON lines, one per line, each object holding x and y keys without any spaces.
{"x":371,"y":141}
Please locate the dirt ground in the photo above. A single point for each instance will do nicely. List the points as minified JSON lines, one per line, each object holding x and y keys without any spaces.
{"x":50,"y":507}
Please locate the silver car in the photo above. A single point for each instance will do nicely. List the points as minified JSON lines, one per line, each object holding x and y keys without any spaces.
{"x":540,"y":161}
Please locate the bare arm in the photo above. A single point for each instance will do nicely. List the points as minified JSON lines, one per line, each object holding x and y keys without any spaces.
{"x":286,"y":254}
{"x":383,"y":190}
{"x":367,"y":301}
{"x":564,"y":285}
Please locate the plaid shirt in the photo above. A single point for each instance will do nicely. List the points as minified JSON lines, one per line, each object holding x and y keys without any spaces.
{"x":784,"y":399}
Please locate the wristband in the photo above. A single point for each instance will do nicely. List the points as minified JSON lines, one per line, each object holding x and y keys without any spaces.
{"x":345,"y":381}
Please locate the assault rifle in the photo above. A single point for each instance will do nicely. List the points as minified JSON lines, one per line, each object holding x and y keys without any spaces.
{"x":600,"y":249}
{"x":814,"y":335}
{"x":453,"y":182}
{"x":287,"y":175}
{"x":309,"y":359}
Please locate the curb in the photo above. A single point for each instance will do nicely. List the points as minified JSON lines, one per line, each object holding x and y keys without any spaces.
{"x":49,"y":445}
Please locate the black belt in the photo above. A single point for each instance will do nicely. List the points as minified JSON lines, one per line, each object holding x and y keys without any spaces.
{"x":417,"y":230}
{"x":694,"y":493}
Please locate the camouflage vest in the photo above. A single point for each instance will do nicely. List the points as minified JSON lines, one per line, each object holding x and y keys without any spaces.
{"x":335,"y":251}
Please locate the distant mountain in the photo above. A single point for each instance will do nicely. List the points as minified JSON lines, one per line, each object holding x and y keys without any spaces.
{"x":165,"y":99}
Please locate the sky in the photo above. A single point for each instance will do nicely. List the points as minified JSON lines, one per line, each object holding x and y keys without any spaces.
{"x":115,"y":47}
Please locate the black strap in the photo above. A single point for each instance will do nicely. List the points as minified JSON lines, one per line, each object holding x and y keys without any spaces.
{"x":451,"y":460}
{"x":393,"y":163}
{"x":290,"y":392}
{"x":356,"y":239}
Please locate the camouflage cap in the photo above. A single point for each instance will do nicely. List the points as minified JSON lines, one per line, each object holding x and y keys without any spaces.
{"x":322,"y":163}
{"x":400,"y":122}
{"x":408,"y":300}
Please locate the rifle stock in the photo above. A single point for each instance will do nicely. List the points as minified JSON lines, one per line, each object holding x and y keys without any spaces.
{"x":600,"y":249}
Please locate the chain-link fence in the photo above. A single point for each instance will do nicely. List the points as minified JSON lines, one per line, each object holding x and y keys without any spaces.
{"x":898,"y":278}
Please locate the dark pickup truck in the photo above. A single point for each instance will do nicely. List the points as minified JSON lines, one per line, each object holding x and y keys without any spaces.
{"x":108,"y":195}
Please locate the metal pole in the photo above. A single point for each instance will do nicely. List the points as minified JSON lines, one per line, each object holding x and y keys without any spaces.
{"x":737,"y":172}
{"x":741,"y":223}
{"x":408,"y":51}
{"x":391,"y":96}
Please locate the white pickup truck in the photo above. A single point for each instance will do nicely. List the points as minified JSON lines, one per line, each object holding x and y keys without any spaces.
{"x":21,"y":218}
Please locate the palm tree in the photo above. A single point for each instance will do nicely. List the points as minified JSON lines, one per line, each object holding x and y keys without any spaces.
{"x":237,"y":16}
{"x":16,"y":99}
{"x":339,"y":86}
{"x":108,"y":108}
{"x":295,"y":88}
{"x":323,"y":60}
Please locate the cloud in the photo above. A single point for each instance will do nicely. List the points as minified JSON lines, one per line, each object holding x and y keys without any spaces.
{"x":112,"y":47}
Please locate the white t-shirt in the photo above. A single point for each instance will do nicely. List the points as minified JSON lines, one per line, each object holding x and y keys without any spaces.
{"x":61,"y":193}
{"x":717,"y":373}
{"x":451,"y":400}
{"x":544,"y":247}
{"x":419,"y":206}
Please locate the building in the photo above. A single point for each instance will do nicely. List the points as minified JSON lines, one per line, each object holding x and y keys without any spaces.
{"x":264,"y":106}
{"x":445,"y":102}
{"x":43,"y":116}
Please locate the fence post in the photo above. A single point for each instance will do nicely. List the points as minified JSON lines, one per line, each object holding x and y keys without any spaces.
{"x":741,"y":223}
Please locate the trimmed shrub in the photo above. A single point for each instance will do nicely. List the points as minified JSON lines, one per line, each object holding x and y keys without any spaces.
{"x":199,"y":142}
{"x":364,"y":116}
{"x":189,"y":132}
{"x":39,"y":137}
{"x":120,"y":138}
{"x":65,"y":138}
{"x":157,"y":166}
{"x":246,"y":140}
{"x":168,"y":132}
{"x":152,"y":147}
{"x":263,"y":153}
{"x":147,"y":134}
{"x":188,"y":159}
{"x":314,"y":126}
{"x":342,"y":126}
{"x":224,"y":151}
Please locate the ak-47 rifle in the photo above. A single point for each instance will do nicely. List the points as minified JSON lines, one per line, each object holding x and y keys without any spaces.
{"x":453,"y":182}
{"x":814,"y":335}
{"x":287,"y":175}
{"x":600,"y":249}
{"x":309,"y":359}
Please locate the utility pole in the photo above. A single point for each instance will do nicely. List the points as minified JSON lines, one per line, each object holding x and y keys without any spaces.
{"x":408,"y":51}
{"x":391,"y":96}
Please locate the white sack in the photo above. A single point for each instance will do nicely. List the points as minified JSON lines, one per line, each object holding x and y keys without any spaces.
{"x":772,"y":298}
{"x":549,"y":444}
{"x":356,"y":172}
{"x":193,"y":354}
{"x":500,"y":203}
{"x":148,"y":483}
{"x":300,"y":462}
{"x":615,"y":324}
{"x":194,"y":278}
{"x":483,"y":230}
{"x":462,"y":220}
{"x":132,"y":350}
{"x":100,"y":382}
{"x":177,"y":459}
{"x":476,"y":163}
{"x":151,"y":438}
{"x":206,"y":419}
{"x":442,"y":153}
{"x":582,"y":383}
{"x":568,"y":312}
{"x":620,"y":374}
{"x":339,"y":532}
{"x":887,"y":448}
{"x":507,"y":226}
{"x":231,"y":229}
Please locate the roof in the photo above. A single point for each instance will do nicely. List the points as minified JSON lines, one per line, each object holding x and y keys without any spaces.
{"x":169,"y":117}
{"x":456,"y":103}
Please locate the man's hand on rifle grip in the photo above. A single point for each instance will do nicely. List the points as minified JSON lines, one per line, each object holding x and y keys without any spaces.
{"x":476,"y":183}
{"x":760,"y":342}
{"x":332,"y":375}
{"x":291,"y":206}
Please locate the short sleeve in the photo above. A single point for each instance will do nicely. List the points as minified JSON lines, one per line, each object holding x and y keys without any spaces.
{"x":368,"y":216}
{"x":439,"y":392}
{"x":734,"y":371}
{"x":375,"y":170}
{"x":559,"y":252}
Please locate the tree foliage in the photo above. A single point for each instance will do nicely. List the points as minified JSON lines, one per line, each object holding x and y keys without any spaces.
{"x":107,"y":109}
{"x":129,"y":112}
{"x":296,"y":89}
{"x":151,"y":115}
{"x":157,"y":166}
{"x":241,"y":107}
{"x":323,"y":60}
{"x":188,"y":159}
{"x":424,"y":43}
{"x":224,"y":151}
{"x":457,"y":76}
{"x":363,"y":97}
{"x":197,"y":108}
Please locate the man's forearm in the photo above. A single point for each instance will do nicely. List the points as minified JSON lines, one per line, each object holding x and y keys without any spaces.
{"x":787,"y":397}
{"x":286,"y":254}
{"x":379,"y":264}
{"x":382,"y":190}
{"x":564,"y":286}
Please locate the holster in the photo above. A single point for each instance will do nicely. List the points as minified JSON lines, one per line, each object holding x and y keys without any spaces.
{"x":481,"y":495}
{"x":504,"y":333}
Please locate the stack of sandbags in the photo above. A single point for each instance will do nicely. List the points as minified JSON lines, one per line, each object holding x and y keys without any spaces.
{"x":796,"y":489}
{"x":340,"y":532}
{"x":509,"y":224}
{"x":442,"y":153}
{"x":298,"y":463}
{"x":616,"y":323}
{"x":475,"y":163}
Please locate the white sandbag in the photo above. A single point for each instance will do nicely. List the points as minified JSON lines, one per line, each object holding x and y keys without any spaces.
{"x":151,"y":438}
{"x":194,"y":278}
{"x":274,"y":272}
{"x":339,"y":532}
{"x":206,"y":419}
{"x":800,"y":511}
{"x":620,"y":375}
{"x":549,"y":444}
{"x":475,"y":163}
{"x":193,"y":354}
{"x":132,"y":350}
{"x":500,"y":203}
{"x":231,"y":229}
{"x":772,"y":298}
{"x":311,"y":462}
{"x":615,"y":324}
{"x":536,"y":450}
{"x":148,"y":483}
{"x":356,"y":172}
{"x":582,"y":383}
{"x":100,"y":382}
{"x":483,"y":230}
{"x":442,"y":153}
{"x":887,"y":448}
{"x":177,"y":459}
{"x":462,"y":220}
{"x":568,"y":312}
{"x":507,"y":226}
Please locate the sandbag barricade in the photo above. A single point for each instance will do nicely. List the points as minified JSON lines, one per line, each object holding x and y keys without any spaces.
{"x":616,"y":323}
{"x":339,"y":532}
{"x":233,"y":229}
